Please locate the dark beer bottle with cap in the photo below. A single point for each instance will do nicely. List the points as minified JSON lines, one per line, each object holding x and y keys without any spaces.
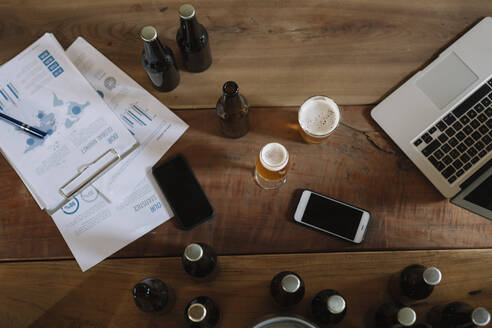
{"x":287,"y":288}
{"x":415,"y":282}
{"x":202,"y":312}
{"x":394,"y":315}
{"x":193,"y":41}
{"x":232,"y":111}
{"x":328,"y":307}
{"x":199,"y":260}
{"x":152,"y":295}
{"x":158,"y":60}
{"x":458,"y":314}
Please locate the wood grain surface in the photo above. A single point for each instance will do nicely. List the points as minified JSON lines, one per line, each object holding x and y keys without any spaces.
{"x":58,"y":294}
{"x":357,"y":164}
{"x":279,"y":51}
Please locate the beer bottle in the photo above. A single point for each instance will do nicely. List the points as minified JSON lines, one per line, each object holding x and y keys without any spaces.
{"x":393,"y":315}
{"x":328,"y":307}
{"x":415,"y":282}
{"x":199,"y":260}
{"x":287,"y":288}
{"x":152,"y":295}
{"x":458,"y":314}
{"x":233,"y":111}
{"x":202,"y":312}
{"x":158,"y":60}
{"x":193,"y":41}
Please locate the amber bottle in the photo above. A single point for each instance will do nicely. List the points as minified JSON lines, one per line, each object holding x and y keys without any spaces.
{"x":152,"y":295}
{"x":202,"y":312}
{"x":458,"y":314}
{"x":328,"y":307}
{"x":394,"y":315}
{"x":193,"y":42}
{"x":415,"y":282}
{"x":287,"y":288}
{"x":199,"y":260}
{"x":158,"y":61}
{"x":232,"y":111}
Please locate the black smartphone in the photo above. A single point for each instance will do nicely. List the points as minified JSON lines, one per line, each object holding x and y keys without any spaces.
{"x":332,"y":216}
{"x":183,"y":192}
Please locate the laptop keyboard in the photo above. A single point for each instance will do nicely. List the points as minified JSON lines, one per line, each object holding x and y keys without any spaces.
{"x":458,"y":141}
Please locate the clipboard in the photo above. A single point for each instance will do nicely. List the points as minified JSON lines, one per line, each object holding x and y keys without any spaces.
{"x":89,"y":172}
{"x":85,"y":138}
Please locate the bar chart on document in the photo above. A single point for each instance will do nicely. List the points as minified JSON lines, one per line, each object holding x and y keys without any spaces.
{"x":8,"y":97}
{"x":136,"y":117}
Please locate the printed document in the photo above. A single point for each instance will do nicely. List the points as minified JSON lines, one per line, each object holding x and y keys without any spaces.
{"x":153,"y":124}
{"x":41,"y":87}
{"x":125,"y":203}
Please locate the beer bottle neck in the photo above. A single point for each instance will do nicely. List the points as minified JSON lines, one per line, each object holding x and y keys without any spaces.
{"x":191,"y":30}
{"x":231,"y":94}
{"x":142,"y":291}
{"x":153,"y":49}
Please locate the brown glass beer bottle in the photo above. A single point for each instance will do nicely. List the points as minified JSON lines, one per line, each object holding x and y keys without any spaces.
{"x":202,"y":312}
{"x":233,"y":111}
{"x":158,"y":61}
{"x":415,"y":282}
{"x":152,"y":295}
{"x":193,"y":41}
{"x":287,"y":288}
{"x":458,"y":314}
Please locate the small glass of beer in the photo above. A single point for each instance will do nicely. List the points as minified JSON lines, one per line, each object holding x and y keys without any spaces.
{"x":271,"y":166}
{"x":318,"y":117}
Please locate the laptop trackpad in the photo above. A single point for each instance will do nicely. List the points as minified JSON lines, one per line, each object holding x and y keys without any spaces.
{"x":447,"y":80}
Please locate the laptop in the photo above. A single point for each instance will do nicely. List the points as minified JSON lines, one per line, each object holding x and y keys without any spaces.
{"x":441,"y":118}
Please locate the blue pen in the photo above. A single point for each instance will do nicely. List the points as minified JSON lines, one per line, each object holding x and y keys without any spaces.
{"x":29,"y":129}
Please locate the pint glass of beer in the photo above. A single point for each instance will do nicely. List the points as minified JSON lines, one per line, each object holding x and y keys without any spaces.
{"x":318,"y":118}
{"x":271,"y":166}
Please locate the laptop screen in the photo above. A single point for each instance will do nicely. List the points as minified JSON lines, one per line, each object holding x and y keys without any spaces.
{"x":476,"y":195}
{"x":482,"y":195}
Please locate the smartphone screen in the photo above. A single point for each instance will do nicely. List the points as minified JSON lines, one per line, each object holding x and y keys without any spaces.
{"x":332,"y":216}
{"x":183,"y":192}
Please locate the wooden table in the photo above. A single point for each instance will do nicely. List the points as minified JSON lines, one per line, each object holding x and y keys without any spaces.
{"x":279,"y":52}
{"x":57,"y":294}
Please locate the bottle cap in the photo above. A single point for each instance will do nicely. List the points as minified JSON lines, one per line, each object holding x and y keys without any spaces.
{"x":148,"y":33}
{"x":480,"y":316}
{"x":290,"y":283}
{"x":432,"y":276}
{"x":193,"y":252}
{"x":186,"y":11}
{"x":336,"y":304}
{"x":406,"y":316}
{"x":197,"y":312}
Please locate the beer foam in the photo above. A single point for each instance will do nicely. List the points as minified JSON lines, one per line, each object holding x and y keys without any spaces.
{"x":274,"y":156}
{"x":319,"y":116}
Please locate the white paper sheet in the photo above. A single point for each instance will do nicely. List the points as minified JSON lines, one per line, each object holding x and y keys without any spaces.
{"x":94,"y":226}
{"x":153,"y":124}
{"x":41,"y":87}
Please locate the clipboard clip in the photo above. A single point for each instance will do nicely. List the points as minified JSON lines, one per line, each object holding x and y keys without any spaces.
{"x":88,"y":172}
